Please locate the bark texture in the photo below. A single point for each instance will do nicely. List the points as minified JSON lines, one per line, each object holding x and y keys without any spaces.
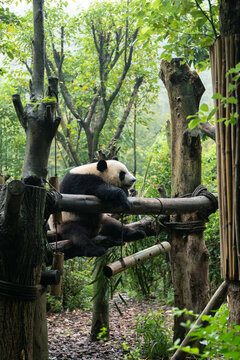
{"x":189,"y":255}
{"x":23,"y":334}
{"x":100,"y":314}
{"x":21,"y":256}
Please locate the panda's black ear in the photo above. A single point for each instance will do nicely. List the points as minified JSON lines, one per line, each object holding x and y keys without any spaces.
{"x":115,"y":157}
{"x":101,"y":165}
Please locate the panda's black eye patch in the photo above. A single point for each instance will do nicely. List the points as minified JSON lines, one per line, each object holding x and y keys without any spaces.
{"x":122,"y":175}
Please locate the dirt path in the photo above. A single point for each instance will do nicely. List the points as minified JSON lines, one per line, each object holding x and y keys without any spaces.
{"x":69,"y":332}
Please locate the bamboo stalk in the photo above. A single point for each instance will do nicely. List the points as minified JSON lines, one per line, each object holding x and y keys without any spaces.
{"x":233,"y":150}
{"x":228,"y":162}
{"x":221,"y":182}
{"x":134,"y":259}
{"x":237,"y":158}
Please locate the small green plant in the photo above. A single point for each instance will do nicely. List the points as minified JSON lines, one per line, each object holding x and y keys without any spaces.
{"x":219,"y":339}
{"x":103,"y":334}
{"x":152,"y":336}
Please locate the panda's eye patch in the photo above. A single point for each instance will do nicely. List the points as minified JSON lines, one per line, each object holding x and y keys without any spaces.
{"x":122,"y":175}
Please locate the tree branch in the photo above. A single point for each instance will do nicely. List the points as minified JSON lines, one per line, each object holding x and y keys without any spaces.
{"x":127,"y":110}
{"x":37,"y":90}
{"x":210,"y":19}
{"x":208,"y":129}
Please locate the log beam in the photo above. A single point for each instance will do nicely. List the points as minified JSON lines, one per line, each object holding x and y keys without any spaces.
{"x":143,"y":206}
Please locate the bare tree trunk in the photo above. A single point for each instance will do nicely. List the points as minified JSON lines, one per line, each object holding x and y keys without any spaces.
{"x":188,"y":249}
{"x":100,"y":315}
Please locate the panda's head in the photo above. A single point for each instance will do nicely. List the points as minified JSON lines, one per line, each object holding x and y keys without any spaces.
{"x":115,"y":173}
{"x":111,"y":171}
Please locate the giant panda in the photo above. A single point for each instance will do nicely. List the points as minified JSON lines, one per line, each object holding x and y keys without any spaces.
{"x":109,"y":181}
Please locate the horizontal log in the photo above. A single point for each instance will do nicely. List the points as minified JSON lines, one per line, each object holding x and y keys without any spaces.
{"x":143,"y":206}
{"x":134,"y":259}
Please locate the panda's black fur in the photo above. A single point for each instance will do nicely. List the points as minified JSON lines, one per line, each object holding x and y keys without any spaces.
{"x":109,"y":181}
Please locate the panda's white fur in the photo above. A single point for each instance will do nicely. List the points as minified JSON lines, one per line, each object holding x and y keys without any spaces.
{"x":111,"y":175}
{"x":109,"y":181}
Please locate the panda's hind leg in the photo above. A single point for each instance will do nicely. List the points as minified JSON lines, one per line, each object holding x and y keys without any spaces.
{"x":114,"y":229}
{"x":78,"y":235}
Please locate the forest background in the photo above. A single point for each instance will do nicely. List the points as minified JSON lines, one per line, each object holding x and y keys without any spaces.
{"x":107,"y":60}
{"x":73,"y":55}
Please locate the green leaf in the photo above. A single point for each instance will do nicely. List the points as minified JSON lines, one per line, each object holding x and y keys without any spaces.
{"x":231,"y":87}
{"x":217,"y":96}
{"x":191,"y":350}
{"x":193,"y":123}
{"x":210,"y":115}
{"x":232,"y":100}
{"x":204,"y":107}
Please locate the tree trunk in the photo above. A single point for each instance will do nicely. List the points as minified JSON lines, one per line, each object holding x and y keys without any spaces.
{"x":23,"y":332}
{"x":100,"y":314}
{"x":21,"y":257}
{"x":188,"y":249}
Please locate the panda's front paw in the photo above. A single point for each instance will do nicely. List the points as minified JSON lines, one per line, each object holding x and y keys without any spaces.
{"x":125,"y":203}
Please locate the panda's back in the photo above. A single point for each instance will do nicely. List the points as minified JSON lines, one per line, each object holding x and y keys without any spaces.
{"x":84,"y":184}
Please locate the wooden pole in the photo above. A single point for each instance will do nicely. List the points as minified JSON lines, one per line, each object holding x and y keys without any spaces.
{"x":143,"y":206}
{"x":134,"y":259}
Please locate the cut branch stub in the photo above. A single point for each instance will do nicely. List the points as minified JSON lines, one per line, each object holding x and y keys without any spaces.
{"x":41,"y":126}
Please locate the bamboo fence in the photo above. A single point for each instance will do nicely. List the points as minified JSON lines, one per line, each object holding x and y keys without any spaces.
{"x":225,"y":54}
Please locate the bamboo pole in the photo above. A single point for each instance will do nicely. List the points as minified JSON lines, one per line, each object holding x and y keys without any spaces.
{"x":237,"y":159}
{"x":215,"y":302}
{"x":134,"y":259}
{"x":228,"y":160}
{"x":225,"y":55}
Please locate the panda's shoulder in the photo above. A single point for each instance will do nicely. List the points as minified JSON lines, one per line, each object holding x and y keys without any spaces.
{"x":76,"y":183}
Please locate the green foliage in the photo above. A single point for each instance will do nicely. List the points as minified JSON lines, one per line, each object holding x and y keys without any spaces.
{"x":204,"y":115}
{"x":12,"y":135}
{"x":152,"y":335}
{"x":76,"y":290}
{"x":186,"y":27}
{"x":220,"y":340}
{"x":8,"y":22}
{"x":103,"y":334}
{"x":157,"y":169}
{"x":131,"y":354}
{"x":211,"y":234}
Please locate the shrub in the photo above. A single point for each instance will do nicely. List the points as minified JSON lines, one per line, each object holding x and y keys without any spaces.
{"x":153,"y":338}
{"x":76,"y":290}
